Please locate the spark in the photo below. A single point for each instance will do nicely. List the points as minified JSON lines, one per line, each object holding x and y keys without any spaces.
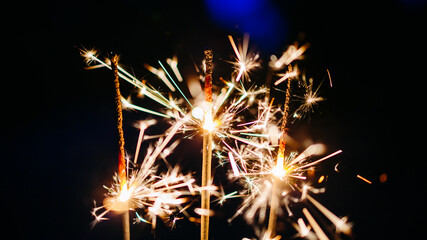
{"x":245,"y":61}
{"x":169,"y":76}
{"x":233,"y":164}
{"x":341,"y":224}
{"x":317,"y":229}
{"x":285,"y":76}
{"x":303,"y":229}
{"x":329,"y":76}
{"x":364,"y":179}
{"x":127,"y":104}
{"x":142,"y":127}
{"x":383,"y":177}
{"x":160,"y":195}
{"x":321,"y":178}
{"x":161,"y":75}
{"x":336,"y":167}
{"x":291,"y":54}
{"x":204,"y":212}
{"x":224,"y":197}
{"x":320,"y":160}
{"x":173,"y":63}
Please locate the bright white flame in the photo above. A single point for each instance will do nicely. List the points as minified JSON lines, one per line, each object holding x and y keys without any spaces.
{"x":279,"y":170}
{"x":124,"y":194}
{"x":208,"y":122}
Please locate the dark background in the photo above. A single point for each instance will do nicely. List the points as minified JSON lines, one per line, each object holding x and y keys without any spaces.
{"x":58,"y":131}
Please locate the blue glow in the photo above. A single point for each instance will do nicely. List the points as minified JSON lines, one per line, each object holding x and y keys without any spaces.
{"x":256,"y":17}
{"x":228,"y":10}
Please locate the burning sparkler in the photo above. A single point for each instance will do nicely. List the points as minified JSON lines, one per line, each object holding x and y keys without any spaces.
{"x":156,"y":195}
{"x":207,"y":146}
{"x":122,"y":161}
{"x":272,"y":178}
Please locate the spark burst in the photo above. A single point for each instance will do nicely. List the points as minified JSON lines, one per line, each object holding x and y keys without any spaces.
{"x":249,"y":146}
{"x":156,"y":195}
{"x":272,"y":179}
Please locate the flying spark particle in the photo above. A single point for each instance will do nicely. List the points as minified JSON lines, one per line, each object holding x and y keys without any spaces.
{"x":364,"y":179}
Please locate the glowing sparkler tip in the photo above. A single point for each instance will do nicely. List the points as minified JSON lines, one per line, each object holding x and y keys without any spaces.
{"x":116,"y":204}
{"x":208,"y":123}
{"x":279,"y":170}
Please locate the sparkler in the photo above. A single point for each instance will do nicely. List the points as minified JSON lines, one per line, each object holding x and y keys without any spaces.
{"x":207,"y":146}
{"x":273,"y":179}
{"x":156,"y":195}
{"x":272,"y":183}
{"x":122,"y":161}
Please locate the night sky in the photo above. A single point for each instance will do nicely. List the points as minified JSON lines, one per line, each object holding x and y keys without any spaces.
{"x":59,"y":140}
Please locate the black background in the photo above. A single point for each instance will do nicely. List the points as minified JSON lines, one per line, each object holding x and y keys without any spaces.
{"x":58,"y":131}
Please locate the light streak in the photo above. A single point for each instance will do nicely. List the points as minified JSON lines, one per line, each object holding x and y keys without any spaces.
{"x":161,"y":75}
{"x":159,"y":149}
{"x":304,"y":230}
{"x":329,"y":76}
{"x":317,"y":229}
{"x":341,"y":224}
{"x":204,"y":212}
{"x":364,"y":179}
{"x":291,"y":54}
{"x":142,"y":127}
{"x":320,"y":160}
{"x":173,"y":63}
{"x":233,"y":164}
{"x":127,"y":104}
{"x":182,"y":94}
{"x":227,"y":94}
{"x":285,"y":76}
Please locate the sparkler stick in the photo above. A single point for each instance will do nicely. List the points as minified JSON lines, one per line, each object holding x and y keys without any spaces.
{"x":122,"y":160}
{"x":207,"y":147}
{"x":279,"y":169}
